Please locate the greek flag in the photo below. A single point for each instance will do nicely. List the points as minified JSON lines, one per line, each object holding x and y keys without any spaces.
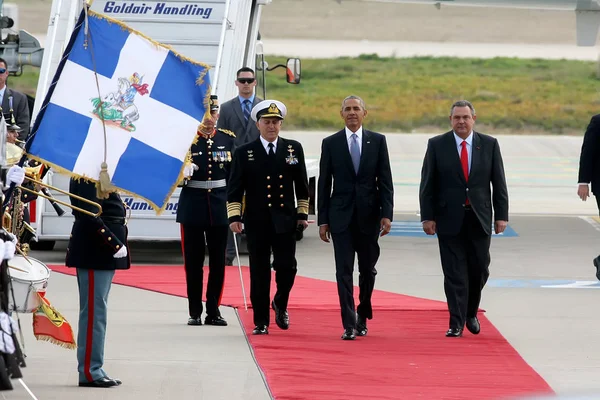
{"x":119,"y":97}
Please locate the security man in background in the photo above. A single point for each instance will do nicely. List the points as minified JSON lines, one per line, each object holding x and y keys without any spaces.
{"x":202,"y":213}
{"x":271,"y":172}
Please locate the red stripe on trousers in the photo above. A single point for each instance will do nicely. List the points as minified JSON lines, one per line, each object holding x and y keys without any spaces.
{"x":90,"y":327}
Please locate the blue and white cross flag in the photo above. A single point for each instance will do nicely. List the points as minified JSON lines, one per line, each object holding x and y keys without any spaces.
{"x":119,"y":97}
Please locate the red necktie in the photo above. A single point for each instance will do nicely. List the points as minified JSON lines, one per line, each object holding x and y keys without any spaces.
{"x":464,"y":161}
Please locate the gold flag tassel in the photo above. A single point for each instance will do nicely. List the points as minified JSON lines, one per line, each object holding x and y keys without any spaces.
{"x":104,"y":185}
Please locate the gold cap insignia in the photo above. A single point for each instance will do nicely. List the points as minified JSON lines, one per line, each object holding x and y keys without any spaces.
{"x":273,"y":109}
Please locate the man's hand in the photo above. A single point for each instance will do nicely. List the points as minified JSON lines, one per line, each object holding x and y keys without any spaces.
{"x":385,"y":226}
{"x":15,"y":175}
{"x":121,"y":253}
{"x":303,"y":223}
{"x":236,"y":227}
{"x":188,"y":170}
{"x":429,"y":227}
{"x":583,"y":191}
{"x":500,"y":226}
{"x":324,"y":233}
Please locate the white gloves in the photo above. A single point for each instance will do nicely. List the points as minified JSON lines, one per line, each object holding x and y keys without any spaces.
{"x":121,"y":253}
{"x":8,"y":249}
{"x":15,"y":175}
{"x":188,"y":170}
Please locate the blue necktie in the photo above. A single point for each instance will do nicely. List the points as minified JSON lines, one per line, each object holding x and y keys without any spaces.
{"x":355,"y":152}
{"x":246,"y":109}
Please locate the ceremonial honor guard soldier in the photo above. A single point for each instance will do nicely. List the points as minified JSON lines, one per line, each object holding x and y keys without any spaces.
{"x":271,"y":172}
{"x":202,"y":213}
{"x":97,"y":248}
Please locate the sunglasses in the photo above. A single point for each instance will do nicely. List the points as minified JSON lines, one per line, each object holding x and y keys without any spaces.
{"x":2,"y":70}
{"x":245,"y":80}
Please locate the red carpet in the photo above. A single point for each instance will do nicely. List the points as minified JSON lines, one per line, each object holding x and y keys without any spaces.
{"x":404,"y":356}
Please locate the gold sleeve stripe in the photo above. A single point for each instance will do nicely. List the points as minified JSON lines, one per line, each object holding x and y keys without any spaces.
{"x":302,"y":207}
{"x":234,"y":209}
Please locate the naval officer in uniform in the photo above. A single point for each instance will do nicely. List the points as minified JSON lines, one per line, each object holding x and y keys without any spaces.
{"x":271,"y":172}
{"x":97,"y":247}
{"x":202,"y":213}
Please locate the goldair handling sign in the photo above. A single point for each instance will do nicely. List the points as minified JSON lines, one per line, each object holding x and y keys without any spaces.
{"x":146,"y":8}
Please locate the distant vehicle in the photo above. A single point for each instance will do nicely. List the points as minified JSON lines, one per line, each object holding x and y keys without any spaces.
{"x":17,"y":47}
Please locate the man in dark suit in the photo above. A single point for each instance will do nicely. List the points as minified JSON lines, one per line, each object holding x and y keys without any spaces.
{"x":235,"y":117}
{"x":97,"y":247}
{"x":589,"y":169}
{"x":456,"y":203}
{"x":358,"y":211}
{"x":202,"y":213}
{"x":13,"y":105}
{"x":271,"y":172}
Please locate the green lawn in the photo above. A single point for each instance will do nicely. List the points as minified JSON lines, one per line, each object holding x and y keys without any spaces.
{"x":404,"y":95}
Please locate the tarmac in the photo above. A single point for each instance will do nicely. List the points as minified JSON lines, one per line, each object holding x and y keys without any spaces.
{"x":540,"y":295}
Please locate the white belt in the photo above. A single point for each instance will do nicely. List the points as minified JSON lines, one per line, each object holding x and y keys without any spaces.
{"x":206,"y":184}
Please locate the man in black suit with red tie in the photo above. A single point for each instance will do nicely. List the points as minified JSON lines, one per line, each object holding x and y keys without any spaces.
{"x":358,"y":210}
{"x":589,"y":169}
{"x":456,"y":203}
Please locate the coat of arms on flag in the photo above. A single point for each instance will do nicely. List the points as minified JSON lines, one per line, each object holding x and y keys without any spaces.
{"x":121,"y":104}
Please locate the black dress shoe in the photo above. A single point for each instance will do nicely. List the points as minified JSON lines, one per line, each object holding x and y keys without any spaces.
{"x":104,"y":382}
{"x":116,"y":380}
{"x":597,"y":265}
{"x":216,"y":321}
{"x":454,"y":332}
{"x":260,"y":330}
{"x":282,"y":319}
{"x":349,"y":334}
{"x":229,"y":261}
{"x":361,"y":326}
{"x":473,"y":325}
{"x":194,"y":321}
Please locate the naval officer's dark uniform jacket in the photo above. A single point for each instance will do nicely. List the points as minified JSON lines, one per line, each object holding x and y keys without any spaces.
{"x":202,"y":211}
{"x":276,"y":197}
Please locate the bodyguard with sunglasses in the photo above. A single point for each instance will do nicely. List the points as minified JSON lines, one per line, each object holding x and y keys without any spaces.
{"x":235,"y":113}
{"x":13,"y":104}
{"x":235,"y":117}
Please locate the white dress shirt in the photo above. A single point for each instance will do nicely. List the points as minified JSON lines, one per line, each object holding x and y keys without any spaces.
{"x":265,"y":144}
{"x":359,"y":133}
{"x":2,"y":91}
{"x":469,"y":141}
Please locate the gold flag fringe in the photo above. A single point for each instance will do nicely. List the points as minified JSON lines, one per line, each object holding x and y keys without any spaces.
{"x":46,"y":338}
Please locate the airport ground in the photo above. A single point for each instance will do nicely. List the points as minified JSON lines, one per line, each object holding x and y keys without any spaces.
{"x":542,"y":294}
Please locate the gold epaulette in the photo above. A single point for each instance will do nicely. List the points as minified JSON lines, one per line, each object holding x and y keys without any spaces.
{"x":234,"y":209}
{"x":302,"y":206}
{"x":227,"y":131}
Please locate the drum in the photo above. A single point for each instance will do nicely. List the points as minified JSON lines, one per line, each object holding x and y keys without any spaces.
{"x":27,"y":278}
